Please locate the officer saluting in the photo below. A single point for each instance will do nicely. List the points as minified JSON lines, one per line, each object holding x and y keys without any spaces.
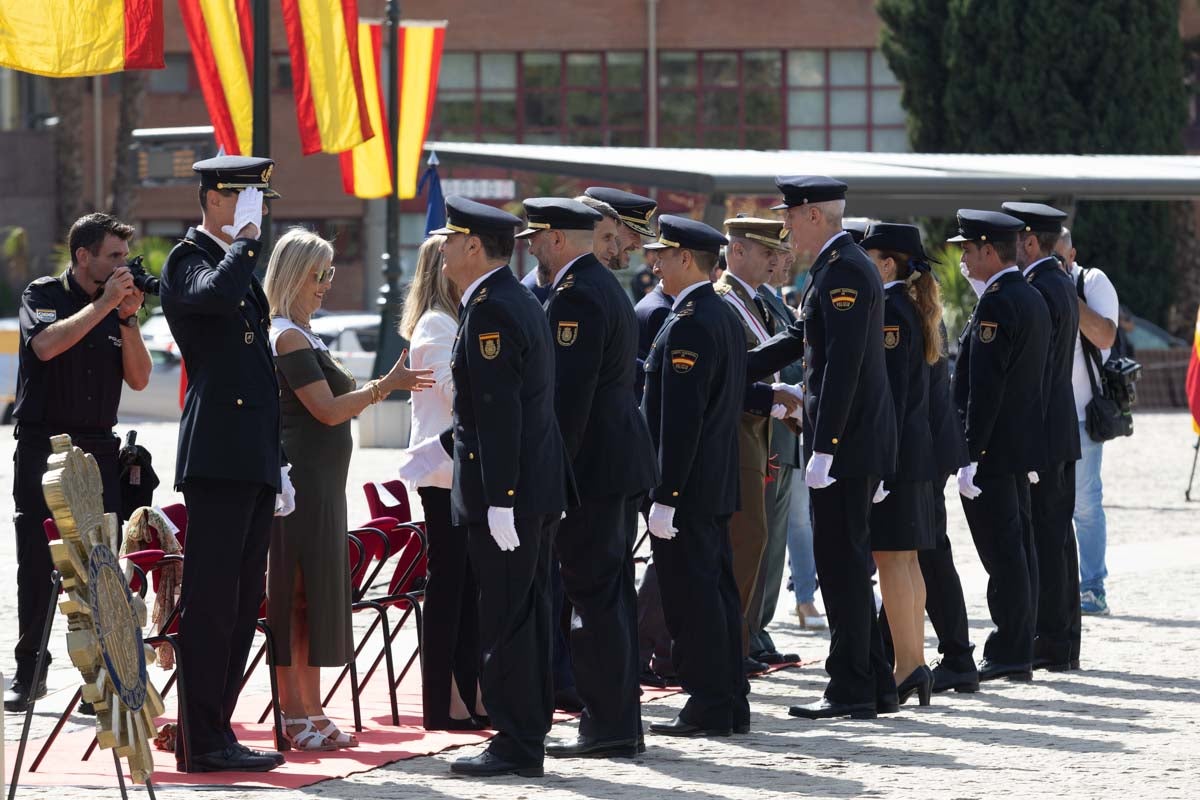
{"x":595,"y":352}
{"x":693,"y":403}
{"x":998,"y":391}
{"x":849,"y":435}
{"x":512,"y":479}
{"x":229,"y":460}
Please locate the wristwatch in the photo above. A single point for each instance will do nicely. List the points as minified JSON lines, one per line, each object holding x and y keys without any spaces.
{"x":130,"y":321}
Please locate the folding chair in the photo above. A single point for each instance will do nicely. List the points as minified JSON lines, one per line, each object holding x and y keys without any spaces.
{"x":401,"y":510}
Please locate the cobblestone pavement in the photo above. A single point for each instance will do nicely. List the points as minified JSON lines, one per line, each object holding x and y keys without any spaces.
{"x":1128,"y":725}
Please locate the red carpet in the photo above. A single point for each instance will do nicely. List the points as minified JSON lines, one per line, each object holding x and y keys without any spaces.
{"x":381,"y":743}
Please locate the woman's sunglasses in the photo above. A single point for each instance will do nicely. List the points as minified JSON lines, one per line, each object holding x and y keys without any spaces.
{"x":326,"y":275}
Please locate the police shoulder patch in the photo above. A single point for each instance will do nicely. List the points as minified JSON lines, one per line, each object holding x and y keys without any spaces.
{"x":46,"y":315}
{"x":891,"y":336}
{"x":489,"y":344}
{"x":987,"y":331}
{"x":568,"y":332}
{"x":683,"y":360}
{"x":843,"y":299}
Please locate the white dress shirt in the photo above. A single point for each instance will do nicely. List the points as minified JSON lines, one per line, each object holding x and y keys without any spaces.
{"x":432,"y":341}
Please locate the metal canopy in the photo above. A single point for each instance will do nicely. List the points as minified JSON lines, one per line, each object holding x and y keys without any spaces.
{"x":916,"y":182}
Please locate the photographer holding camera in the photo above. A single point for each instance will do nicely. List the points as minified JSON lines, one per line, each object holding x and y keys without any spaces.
{"x":79,"y":341}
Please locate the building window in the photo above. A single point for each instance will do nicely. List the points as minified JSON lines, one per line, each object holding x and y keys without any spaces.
{"x":843,"y":100}
{"x":174,"y":78}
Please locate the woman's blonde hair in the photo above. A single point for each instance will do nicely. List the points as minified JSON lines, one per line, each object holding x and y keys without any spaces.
{"x":430,"y":288}
{"x":298,"y":256}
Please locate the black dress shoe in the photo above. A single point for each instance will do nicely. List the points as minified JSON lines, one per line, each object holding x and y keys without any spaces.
{"x":994,"y":670}
{"x":452,"y":724}
{"x":86,"y":709}
{"x":753,"y":668}
{"x":677,"y":727}
{"x":568,"y":700}
{"x":649,"y":677}
{"x":945,"y":679}
{"x":233,"y":758}
{"x":920,"y":682}
{"x":828,"y":709}
{"x":487,"y":764}
{"x":774,"y":658}
{"x":594,"y":748}
{"x":18,"y":696}
{"x":275,"y":755}
{"x":888,"y":704}
{"x":741,"y":728}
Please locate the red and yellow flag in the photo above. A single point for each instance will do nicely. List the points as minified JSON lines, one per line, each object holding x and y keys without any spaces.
{"x":1193,"y":378}
{"x":71,"y":38}
{"x":366,"y":170}
{"x":221,"y":33}
{"x":326,"y":76}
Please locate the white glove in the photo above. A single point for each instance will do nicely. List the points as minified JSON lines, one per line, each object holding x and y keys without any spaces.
{"x":816,"y":474}
{"x":796,"y":391}
{"x":966,"y":481}
{"x":248,"y":211}
{"x":880,"y":494}
{"x":421,"y":460}
{"x":778,"y":411}
{"x":1033,"y":477}
{"x":976,"y":286}
{"x":661,"y":522}
{"x":503,"y":528}
{"x":285,"y":501}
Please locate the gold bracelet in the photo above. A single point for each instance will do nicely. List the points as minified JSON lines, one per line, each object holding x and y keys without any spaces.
{"x":373,"y":388}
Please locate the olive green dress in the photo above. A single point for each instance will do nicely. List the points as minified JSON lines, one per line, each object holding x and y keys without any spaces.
{"x":312,"y":539}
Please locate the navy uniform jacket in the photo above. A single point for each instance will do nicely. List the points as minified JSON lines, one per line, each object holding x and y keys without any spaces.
{"x":949,"y":441}
{"x":784,"y":442}
{"x":908,"y":378}
{"x":1062,"y":426}
{"x":998,"y":377}
{"x":848,"y":410}
{"x":693,"y":404}
{"x":652,"y":311}
{"x":507,"y":448}
{"x":595,"y":351}
{"x":219,"y":317}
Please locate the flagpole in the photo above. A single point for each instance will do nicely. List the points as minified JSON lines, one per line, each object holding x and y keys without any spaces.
{"x":389,"y":300}
{"x":261,"y":144}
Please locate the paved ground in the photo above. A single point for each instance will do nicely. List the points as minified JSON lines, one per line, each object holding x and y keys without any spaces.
{"x":1128,"y":725}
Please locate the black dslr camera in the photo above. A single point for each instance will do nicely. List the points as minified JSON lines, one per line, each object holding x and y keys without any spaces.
{"x":142,"y":279}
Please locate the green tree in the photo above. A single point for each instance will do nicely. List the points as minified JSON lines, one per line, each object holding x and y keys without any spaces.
{"x":1055,"y":76}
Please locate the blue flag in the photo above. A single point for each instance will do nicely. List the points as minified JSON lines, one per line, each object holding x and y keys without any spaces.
{"x":435,"y":202}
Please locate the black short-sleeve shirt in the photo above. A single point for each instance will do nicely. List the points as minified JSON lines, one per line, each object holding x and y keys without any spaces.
{"x":79,"y":389}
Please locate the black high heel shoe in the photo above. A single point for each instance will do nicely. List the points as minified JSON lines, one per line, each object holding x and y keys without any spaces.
{"x":921,"y":682}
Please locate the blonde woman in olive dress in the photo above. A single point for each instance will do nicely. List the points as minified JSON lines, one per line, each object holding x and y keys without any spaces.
{"x":308,"y":577}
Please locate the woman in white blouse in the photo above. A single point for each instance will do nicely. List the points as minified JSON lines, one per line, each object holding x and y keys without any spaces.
{"x":450,"y":641}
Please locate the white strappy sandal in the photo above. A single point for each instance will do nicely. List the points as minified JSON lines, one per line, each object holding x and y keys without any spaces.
{"x":308,"y":739}
{"x":333,"y":733}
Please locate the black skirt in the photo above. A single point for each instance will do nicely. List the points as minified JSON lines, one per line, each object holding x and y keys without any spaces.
{"x":904,"y":519}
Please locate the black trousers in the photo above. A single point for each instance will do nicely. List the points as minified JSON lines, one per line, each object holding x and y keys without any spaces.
{"x":1003,"y":533}
{"x":858,"y":669}
{"x":33,"y":550}
{"x":704,"y":616}
{"x":450,"y":632}
{"x":593,"y":546}
{"x":944,"y":601}
{"x":1052,"y":502}
{"x":514,"y":634}
{"x":224,"y":577}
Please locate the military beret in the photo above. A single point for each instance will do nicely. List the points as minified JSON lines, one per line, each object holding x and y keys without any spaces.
{"x":558,"y":213}
{"x":856,"y":227}
{"x":1038,"y":217}
{"x":633,"y":209}
{"x":688,"y":234}
{"x":234,"y":173}
{"x":801,"y":189}
{"x":981,"y":226}
{"x":469,"y":217}
{"x":895,"y":237}
{"x":769,"y":232}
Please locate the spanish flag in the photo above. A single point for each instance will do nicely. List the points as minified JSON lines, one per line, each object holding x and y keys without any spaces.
{"x":221,"y":33}
{"x":366,"y":170}
{"x":72,"y":38}
{"x":323,"y":41}
{"x":1193,"y":378}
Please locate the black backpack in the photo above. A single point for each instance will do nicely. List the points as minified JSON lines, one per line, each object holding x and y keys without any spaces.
{"x":1109,"y":414}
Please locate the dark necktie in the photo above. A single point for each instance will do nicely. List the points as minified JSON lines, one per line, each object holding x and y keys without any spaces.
{"x":767,"y":318}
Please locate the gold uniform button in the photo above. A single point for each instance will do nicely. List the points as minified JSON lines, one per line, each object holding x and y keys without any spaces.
{"x":250,"y":253}
{"x":471,"y":456}
{"x":239,"y":401}
{"x":242,"y":304}
{"x":674,"y":494}
{"x":834,"y":440}
{"x":511,"y":492}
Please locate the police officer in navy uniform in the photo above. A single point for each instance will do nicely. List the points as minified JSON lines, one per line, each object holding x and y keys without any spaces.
{"x":693,"y":403}
{"x":79,"y":342}
{"x":1052,"y":498}
{"x":229,"y":463}
{"x":613,"y":461}
{"x":849,"y":435}
{"x":635,"y":212}
{"x":512,"y":480}
{"x":998,"y":380}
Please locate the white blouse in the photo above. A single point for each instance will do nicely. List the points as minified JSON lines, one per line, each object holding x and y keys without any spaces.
{"x":430,"y":347}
